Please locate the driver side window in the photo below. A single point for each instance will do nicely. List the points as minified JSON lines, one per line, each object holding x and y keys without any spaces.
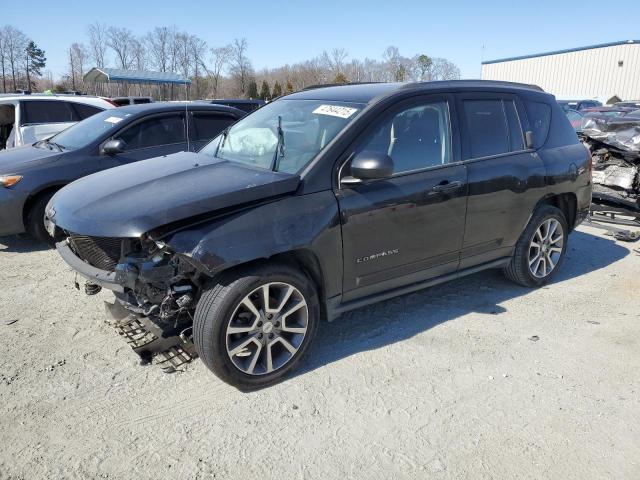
{"x":415,"y":138}
{"x":165,"y":130}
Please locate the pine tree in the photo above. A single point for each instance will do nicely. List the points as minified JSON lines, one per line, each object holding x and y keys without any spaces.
{"x":35,"y":62}
{"x":265,"y":94}
{"x":289,"y":87}
{"x":277,"y":90}
{"x":252,"y":91}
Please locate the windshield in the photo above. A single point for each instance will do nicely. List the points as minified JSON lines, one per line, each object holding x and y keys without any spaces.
{"x":284,"y":135}
{"x":88,"y":130}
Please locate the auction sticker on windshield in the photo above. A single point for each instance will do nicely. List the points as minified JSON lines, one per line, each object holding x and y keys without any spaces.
{"x":113,"y":120}
{"x":335,"y":111}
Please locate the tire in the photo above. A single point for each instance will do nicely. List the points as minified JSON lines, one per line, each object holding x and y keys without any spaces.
{"x":521,"y":270}
{"x":224,"y":306}
{"x":35,"y":220}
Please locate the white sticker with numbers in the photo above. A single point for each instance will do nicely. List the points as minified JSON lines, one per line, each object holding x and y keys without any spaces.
{"x":335,"y":111}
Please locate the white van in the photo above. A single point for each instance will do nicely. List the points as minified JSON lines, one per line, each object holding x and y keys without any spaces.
{"x":27,"y":118}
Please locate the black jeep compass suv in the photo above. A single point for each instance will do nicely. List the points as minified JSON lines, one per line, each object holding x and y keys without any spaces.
{"x":320,"y":202}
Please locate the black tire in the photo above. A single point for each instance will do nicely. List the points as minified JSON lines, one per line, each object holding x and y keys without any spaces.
{"x":216,"y":307}
{"x":35,"y":220}
{"x":518,"y":270}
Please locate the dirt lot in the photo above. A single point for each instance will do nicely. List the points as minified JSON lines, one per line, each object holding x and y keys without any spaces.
{"x":473,"y":379}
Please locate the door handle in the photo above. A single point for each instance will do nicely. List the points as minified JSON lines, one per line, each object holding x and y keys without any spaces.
{"x":446,"y":186}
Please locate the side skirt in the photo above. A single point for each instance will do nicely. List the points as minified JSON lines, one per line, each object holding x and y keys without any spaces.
{"x":335,"y":307}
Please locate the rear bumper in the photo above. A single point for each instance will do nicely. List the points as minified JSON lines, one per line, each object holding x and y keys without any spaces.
{"x":11,"y":208}
{"x":583,"y":195}
{"x":92,"y":274}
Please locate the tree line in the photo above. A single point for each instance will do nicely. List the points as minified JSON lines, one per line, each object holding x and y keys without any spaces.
{"x":216,"y":71}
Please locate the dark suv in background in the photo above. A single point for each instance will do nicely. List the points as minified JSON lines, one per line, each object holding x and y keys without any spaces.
{"x":321,"y":202}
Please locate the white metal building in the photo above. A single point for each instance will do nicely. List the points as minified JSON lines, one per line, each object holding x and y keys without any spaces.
{"x":597,"y":71}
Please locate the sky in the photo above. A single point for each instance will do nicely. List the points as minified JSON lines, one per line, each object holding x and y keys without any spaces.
{"x":280,"y":32}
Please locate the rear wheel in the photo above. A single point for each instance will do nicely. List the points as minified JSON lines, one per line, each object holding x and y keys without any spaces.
{"x":253,"y":327}
{"x":540,"y":249}
{"x":37,"y":222}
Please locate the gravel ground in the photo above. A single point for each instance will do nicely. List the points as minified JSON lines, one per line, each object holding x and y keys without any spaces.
{"x":473,"y":379}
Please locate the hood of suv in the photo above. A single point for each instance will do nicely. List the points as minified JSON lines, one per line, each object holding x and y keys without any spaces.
{"x":20,"y":159}
{"x":133,"y":199}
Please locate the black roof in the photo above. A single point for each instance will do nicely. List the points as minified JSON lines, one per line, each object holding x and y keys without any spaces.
{"x":366,"y":92}
{"x":177,"y":106}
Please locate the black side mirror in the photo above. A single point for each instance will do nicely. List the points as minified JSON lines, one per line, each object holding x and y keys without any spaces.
{"x":369,"y":165}
{"x":528,"y":139}
{"x":113,"y":147}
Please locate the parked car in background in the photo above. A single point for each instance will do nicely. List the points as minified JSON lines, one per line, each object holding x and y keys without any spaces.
{"x":611,"y":111}
{"x":30,"y":175}
{"x":578,"y":105}
{"x":635,"y":104}
{"x":321,"y":202}
{"x":242,"y":104}
{"x":575,"y":118}
{"x":122,"y":101}
{"x":27,"y":118}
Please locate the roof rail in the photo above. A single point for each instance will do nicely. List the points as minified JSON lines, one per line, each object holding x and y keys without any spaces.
{"x":497,"y":83}
{"x":325,"y":85}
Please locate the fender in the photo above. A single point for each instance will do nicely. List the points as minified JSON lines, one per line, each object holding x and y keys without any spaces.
{"x":267,"y":230}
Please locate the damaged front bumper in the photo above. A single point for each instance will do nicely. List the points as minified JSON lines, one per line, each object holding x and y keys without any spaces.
{"x":155,"y":292}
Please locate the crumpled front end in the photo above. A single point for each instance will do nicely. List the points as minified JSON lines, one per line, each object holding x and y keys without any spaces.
{"x":615,"y":149}
{"x":156,"y":291}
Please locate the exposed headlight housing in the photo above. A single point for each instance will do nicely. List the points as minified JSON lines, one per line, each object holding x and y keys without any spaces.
{"x":9,"y":180}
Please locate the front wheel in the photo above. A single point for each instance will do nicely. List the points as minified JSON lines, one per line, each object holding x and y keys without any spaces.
{"x":37,"y":222}
{"x":251,"y":328}
{"x":540,"y":249}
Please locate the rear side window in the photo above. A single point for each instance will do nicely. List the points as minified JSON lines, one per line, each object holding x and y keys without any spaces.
{"x":84,"y":111}
{"x":156,"y":131}
{"x":206,"y":125}
{"x":487,"y":127}
{"x":46,"y":111}
{"x":540,"y":118}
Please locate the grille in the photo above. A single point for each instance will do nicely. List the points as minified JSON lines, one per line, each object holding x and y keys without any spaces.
{"x":100,"y":252}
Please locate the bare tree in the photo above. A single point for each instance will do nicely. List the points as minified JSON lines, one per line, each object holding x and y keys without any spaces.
{"x":3,"y":58}
{"x":15,"y":43}
{"x":443,"y":69}
{"x":98,"y":38}
{"x":219,"y":58}
{"x":198,"y":53}
{"x":241,"y":69}
{"x":138,"y":54}
{"x":78,"y":57}
{"x":159,"y":42}
{"x":121,"y":41}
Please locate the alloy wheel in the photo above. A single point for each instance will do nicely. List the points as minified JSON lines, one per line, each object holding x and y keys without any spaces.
{"x":267,"y":328}
{"x":545,"y":249}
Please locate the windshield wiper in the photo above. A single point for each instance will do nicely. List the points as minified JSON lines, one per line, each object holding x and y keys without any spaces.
{"x":49,"y":142}
{"x":225,"y":134}
{"x":279,"y":153}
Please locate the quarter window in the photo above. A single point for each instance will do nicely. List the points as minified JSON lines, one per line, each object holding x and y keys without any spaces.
{"x":153,"y":132}
{"x":414,"y":138}
{"x":539,"y":117}
{"x":85,"y":111}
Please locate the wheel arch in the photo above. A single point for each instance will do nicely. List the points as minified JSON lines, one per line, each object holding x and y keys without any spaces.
{"x":566,"y":202}
{"x":303,"y":259}
{"x":33,"y":198}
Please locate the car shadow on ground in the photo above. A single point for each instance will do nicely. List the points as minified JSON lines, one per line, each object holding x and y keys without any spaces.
{"x":21,"y":244}
{"x":400,"y":318}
